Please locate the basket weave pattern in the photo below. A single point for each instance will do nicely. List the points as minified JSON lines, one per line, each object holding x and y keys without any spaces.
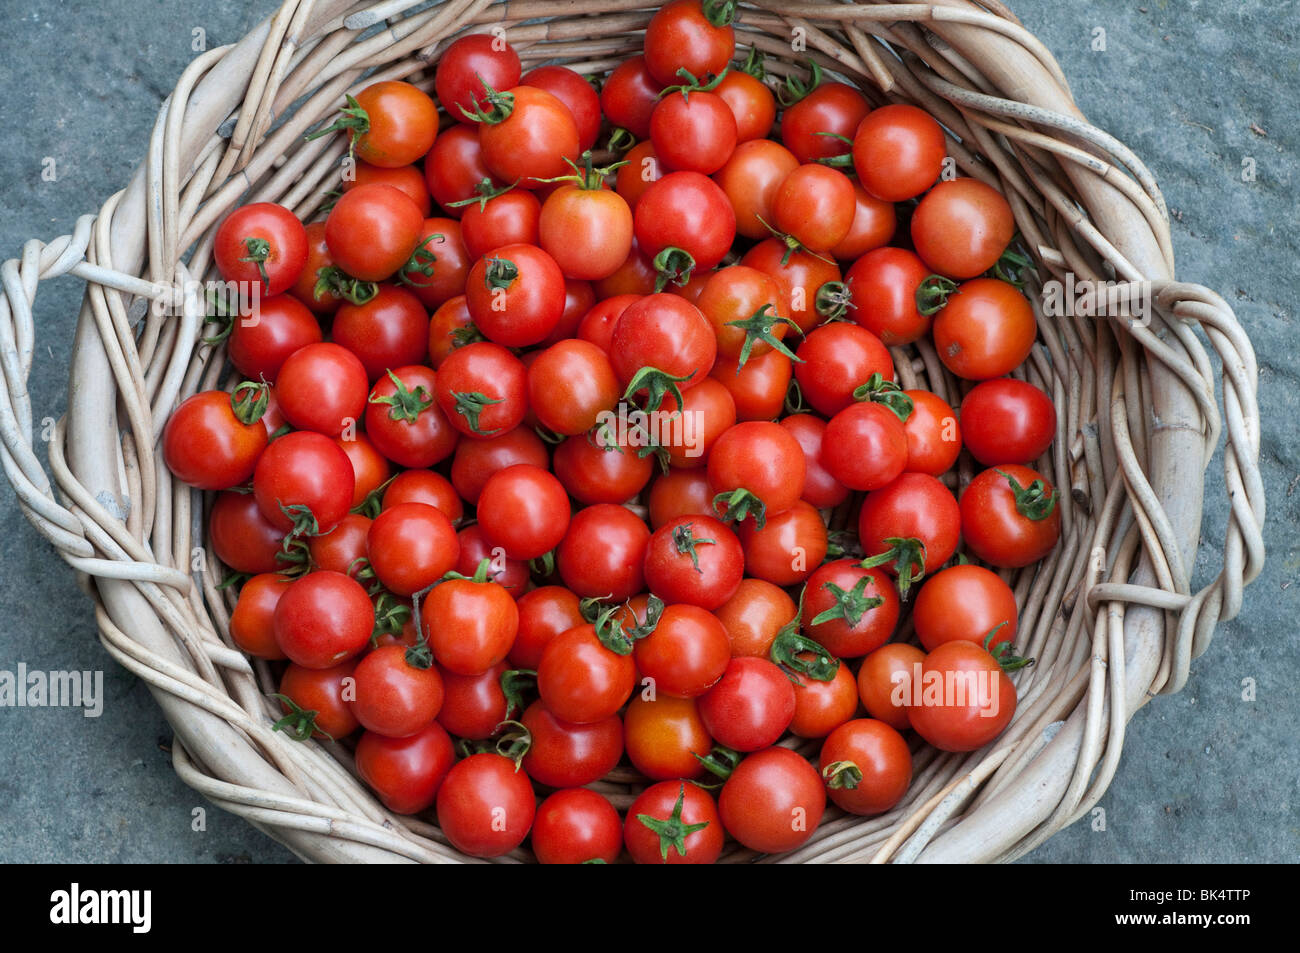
{"x":1110,"y":615}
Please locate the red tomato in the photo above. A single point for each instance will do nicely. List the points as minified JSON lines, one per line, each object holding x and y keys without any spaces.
{"x":575,"y":92}
{"x":883,"y":286}
{"x":322,"y":619}
{"x":322,"y":387}
{"x":773,"y":801}
{"x":320,"y":300}
{"x":261,"y":244}
{"x":885,"y":682}
{"x":1007,"y":421}
{"x":406,"y":773}
{"x":587,"y":230}
{"x":454,"y":168}
{"x":395,"y":697}
{"x":304,"y":478}
{"x":439,"y":267}
{"x":389,"y":330}
{"x":342,"y":549}
{"x":404,"y":178}
{"x":821,"y":707}
{"x":707,"y":412}
{"x":370,"y":468}
{"x":473,"y":705}
{"x":962,"y":227}
{"x":251,"y":625}
{"x":804,"y":276}
{"x":576,"y":826}
{"x":684,"y":35}
{"x":424,"y":486}
{"x":544,"y":613}
{"x":898,"y":152}
{"x":913,"y":507}
{"x":986,"y":329}
{"x":565,"y":755}
{"x":526,"y":135}
{"x":865,"y":446}
{"x":629,"y":96}
{"x":848,"y":609}
{"x":318,"y":694}
{"x":758,"y":390}
{"x":754,"y":616}
{"x":679,"y":493}
{"x":486,"y":805}
{"x":761,"y":459}
{"x":673,"y":822}
{"x":750,"y":707}
{"x":686,"y":211}
{"x":241,"y":536}
{"x":581,"y":680}
{"x":261,"y":340}
{"x":482,"y":389}
{"x":665,"y":332}
{"x":511,"y":574}
{"x":965,"y":602}
{"x":508,"y":218}
{"x":819,"y":488}
{"x":751,"y":102}
{"x":934,"y":439}
{"x":837,"y":359}
{"x":450,"y":328}
{"x":693,"y":131}
{"x":867,"y":766}
{"x":812,"y":127}
{"x":1009,"y":516}
{"x":814,"y":205}
{"x":874,"y":224}
{"x":411,"y":546}
{"x":525,"y":510}
{"x":686,"y":653}
{"x":515,"y":295}
{"x":470,"y":624}
{"x":467,"y":66}
{"x":750,"y":180}
{"x":392,"y":124}
{"x":965,"y":698}
{"x":745,"y":308}
{"x":665,"y":737}
{"x":603,"y":551}
{"x":597,"y":325}
{"x":593,"y":472}
{"x":372,"y":231}
{"x":789,"y":548}
{"x":209,"y":443}
{"x":405,"y":422}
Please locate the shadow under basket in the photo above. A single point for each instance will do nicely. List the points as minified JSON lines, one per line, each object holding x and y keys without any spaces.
{"x":1109,"y":616}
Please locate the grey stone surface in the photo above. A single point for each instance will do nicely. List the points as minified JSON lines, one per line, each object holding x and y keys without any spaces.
{"x":1194,"y":88}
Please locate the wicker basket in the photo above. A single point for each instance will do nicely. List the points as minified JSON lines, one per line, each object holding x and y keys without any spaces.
{"x":1110,"y":615}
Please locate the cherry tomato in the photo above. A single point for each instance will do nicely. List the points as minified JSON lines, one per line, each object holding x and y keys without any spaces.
{"x":751,"y":102}
{"x":821,"y":707}
{"x":524,"y":510}
{"x":304,"y":474}
{"x":986,"y":329}
{"x":750,"y":180}
{"x":812,"y":128}
{"x":411,"y":546}
{"x":754,"y":616}
{"x":322,"y":619}
{"x":874,"y":224}
{"x":404,"y":178}
{"x":370,"y":468}
{"x":629,"y":96}
{"x":473,"y":705}
{"x":865,"y":446}
{"x":673,"y":822}
{"x":515,"y":295}
{"x":788,"y":549}
{"x":406,"y":773}
{"x":581,"y":680}
{"x":934,"y":439}
{"x":965,"y":602}
{"x":251,"y":625}
{"x":814,"y":205}
{"x":208,"y":442}
{"x":707,"y":412}
{"x":477,"y":460}
{"x":486,"y":805}
{"x":544,"y":613}
{"x":962,"y":227}
{"x":773,"y":801}
{"x":857,"y":607}
{"x":820,"y":489}
{"x":527,"y":135}
{"x":241,"y":536}
{"x":750,"y":707}
{"x":575,"y":92}
{"x":395,"y":697}
{"x":261,"y":340}
{"x":577,"y":826}
{"x":424,"y":486}
{"x":510,"y":574}
{"x":587,"y":230}
{"x":594,"y":470}
{"x":395,"y":126}
{"x":758,"y":390}
{"x":684,"y":35}
{"x":440,"y":264}
{"x":1007,"y":421}
{"x":867,"y":766}
{"x":372,"y":231}
{"x":804,"y":276}
{"x":665,"y":737}
{"x":762,"y":459}
{"x":898,"y":152}
{"x":566,"y":755}
{"x":679,"y":493}
{"x":467,"y":66}
{"x":262,"y":244}
{"x":686,"y":211}
{"x":883,"y":285}
{"x":342,"y":549}
{"x":686,"y":653}
{"x":693,"y":131}
{"x":966,"y":699}
{"x":322,"y":387}
{"x":885,"y":682}
{"x":470,"y":624}
{"x":389,"y":330}
{"x":915,"y":506}
{"x":405,"y":422}
{"x":1009,"y":516}
{"x":454,"y":168}
{"x":319,"y":694}
{"x":837,"y":359}
{"x":665,"y":332}
{"x":319,"y":299}
{"x":482,"y":389}
{"x":743,"y":304}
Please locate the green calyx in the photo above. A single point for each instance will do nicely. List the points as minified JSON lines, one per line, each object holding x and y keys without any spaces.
{"x":587,"y":176}
{"x":299,"y":723}
{"x":391,"y":616}
{"x":720,"y":762}
{"x":657,"y":384}
{"x":850,"y":604}
{"x":690,"y":84}
{"x":404,"y":404}
{"x":470,"y":405}
{"x":759,"y":327}
{"x":1003,"y":653}
{"x":259,"y":250}
{"x":515,"y":684}
{"x":421,"y":262}
{"x":833,"y":300}
{"x":877,"y":390}
{"x":795,"y":653}
{"x":353,"y":119}
{"x":500,"y":274}
{"x":842,"y":775}
{"x":499,"y":106}
{"x":753,"y":64}
{"x":1032,"y":502}
{"x":333,"y":280}
{"x":485,"y":191}
{"x":671,"y":830}
{"x":675,"y":265}
{"x":908,"y":557}
{"x":719,"y":13}
{"x":685,"y":542}
{"x":796,"y":89}
{"x":249,"y":401}
{"x":733,"y":506}
{"x":932,"y":294}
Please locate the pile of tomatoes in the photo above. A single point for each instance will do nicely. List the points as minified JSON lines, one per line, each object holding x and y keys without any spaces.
{"x":547,"y":462}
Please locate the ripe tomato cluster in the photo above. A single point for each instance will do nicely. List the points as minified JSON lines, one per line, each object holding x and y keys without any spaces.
{"x":543,"y":466}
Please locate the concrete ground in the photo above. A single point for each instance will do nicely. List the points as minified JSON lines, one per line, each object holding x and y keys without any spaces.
{"x":1199,"y":89}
